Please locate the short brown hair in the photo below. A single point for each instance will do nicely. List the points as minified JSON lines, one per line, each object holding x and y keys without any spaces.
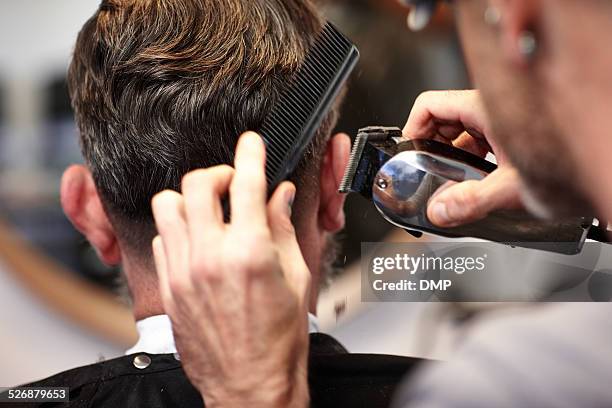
{"x":162,"y":87}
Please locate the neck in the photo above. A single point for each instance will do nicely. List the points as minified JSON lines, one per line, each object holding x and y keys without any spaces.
{"x":143,"y":284}
{"x":586,"y":122}
{"x":144,"y":290}
{"x":598,"y":176}
{"x":589,"y":135}
{"x":580,"y":89}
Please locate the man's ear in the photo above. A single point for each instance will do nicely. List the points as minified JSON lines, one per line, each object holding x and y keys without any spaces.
{"x":331,"y":210}
{"x":517,"y":18}
{"x":83,"y":207}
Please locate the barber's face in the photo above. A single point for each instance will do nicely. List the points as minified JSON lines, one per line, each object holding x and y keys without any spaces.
{"x":518,"y":106}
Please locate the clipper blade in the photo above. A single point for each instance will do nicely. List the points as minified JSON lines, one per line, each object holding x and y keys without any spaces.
{"x":362,"y":163}
{"x":351,"y":168}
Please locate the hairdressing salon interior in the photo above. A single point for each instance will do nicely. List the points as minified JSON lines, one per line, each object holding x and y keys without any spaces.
{"x":61,"y":308}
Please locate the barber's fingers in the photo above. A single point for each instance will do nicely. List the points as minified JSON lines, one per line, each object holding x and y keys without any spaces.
{"x":161,"y":266}
{"x":279,"y":217}
{"x":169,"y":213}
{"x":202,"y":192}
{"x":472,"y":200}
{"x":294,"y":267}
{"x":446,"y":116}
{"x":248,"y":190}
{"x":449,"y":110}
{"x":475,"y":145}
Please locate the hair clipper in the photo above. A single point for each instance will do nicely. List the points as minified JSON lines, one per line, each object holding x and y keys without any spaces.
{"x":400,"y":176}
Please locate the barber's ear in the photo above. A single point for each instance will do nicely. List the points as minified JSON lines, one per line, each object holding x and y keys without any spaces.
{"x":518,"y":17}
{"x":83,"y":207}
{"x":331,"y":210}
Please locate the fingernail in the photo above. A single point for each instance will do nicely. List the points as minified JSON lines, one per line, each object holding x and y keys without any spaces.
{"x":439,"y":213}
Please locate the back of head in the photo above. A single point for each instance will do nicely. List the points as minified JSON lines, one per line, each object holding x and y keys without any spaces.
{"x":161,"y":87}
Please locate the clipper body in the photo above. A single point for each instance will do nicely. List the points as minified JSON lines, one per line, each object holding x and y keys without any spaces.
{"x":400,"y":177}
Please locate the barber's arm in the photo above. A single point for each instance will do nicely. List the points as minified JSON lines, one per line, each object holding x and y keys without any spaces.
{"x":236,"y":292}
{"x":459,"y":118}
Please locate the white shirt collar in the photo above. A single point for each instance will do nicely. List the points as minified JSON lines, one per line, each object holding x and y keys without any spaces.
{"x":155,"y":335}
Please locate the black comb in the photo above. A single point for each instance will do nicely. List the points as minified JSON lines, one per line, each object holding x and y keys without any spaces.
{"x":296,"y":117}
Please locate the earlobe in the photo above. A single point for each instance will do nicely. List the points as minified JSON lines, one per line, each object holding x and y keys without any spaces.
{"x":332,"y":171}
{"x":83,"y":207}
{"x":516,"y":26}
{"x":511,"y":43}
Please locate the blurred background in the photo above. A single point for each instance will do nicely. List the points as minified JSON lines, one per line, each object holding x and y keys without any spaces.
{"x":58,"y":306}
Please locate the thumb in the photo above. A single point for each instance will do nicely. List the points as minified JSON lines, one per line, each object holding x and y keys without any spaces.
{"x":294,"y":267}
{"x":279,"y":212}
{"x":473,"y":200}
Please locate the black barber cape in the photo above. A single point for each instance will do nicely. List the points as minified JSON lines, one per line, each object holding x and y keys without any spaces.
{"x":337,"y":379}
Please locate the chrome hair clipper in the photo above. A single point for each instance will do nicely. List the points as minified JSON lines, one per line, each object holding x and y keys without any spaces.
{"x":400,"y":176}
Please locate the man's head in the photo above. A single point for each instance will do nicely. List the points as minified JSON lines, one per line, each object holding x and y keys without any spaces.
{"x":162,"y":87}
{"x":543,"y":69}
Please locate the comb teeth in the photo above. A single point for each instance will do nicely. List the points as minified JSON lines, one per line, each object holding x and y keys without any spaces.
{"x":295,"y":118}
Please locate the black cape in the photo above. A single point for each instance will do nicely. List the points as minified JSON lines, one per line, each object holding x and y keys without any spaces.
{"x":337,"y":379}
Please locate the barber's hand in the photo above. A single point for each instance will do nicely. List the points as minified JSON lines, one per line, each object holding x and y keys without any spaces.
{"x":459,"y":118}
{"x":237,"y":293}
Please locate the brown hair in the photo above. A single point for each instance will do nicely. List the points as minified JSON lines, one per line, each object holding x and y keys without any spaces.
{"x":161,"y":87}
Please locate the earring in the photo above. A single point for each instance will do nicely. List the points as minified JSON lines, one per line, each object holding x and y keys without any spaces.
{"x":527,"y":44}
{"x":492,"y":16}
